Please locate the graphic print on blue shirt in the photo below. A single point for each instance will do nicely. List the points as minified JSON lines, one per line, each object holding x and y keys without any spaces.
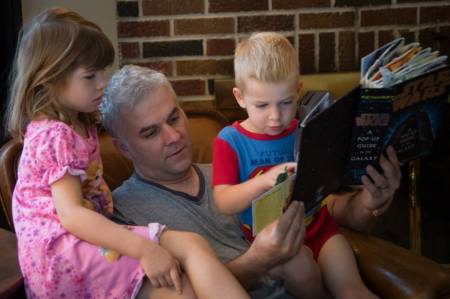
{"x":256,"y":155}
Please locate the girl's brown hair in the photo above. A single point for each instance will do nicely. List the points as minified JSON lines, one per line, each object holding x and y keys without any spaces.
{"x":53,"y":45}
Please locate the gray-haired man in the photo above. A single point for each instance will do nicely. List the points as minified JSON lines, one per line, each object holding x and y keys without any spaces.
{"x":141,"y":113}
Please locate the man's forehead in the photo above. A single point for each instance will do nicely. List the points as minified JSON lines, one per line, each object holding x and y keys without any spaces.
{"x":152,"y":109}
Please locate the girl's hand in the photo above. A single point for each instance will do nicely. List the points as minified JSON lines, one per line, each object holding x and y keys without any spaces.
{"x":270,"y":177}
{"x":162,"y":269}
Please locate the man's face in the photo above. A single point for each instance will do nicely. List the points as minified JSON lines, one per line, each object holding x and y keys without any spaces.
{"x":156,"y":137}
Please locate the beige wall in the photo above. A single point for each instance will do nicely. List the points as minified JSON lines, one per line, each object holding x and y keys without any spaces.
{"x":102,"y":12}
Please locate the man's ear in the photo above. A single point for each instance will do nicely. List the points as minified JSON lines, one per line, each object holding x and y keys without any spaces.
{"x":121,"y":147}
{"x":238,"y":95}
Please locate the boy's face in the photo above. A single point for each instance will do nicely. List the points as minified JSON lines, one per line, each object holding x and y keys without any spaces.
{"x":270,"y":106}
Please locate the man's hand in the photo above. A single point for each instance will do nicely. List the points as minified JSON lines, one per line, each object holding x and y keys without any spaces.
{"x":382,"y":187}
{"x":280,"y":240}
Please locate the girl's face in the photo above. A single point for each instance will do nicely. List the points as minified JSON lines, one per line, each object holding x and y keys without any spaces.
{"x":83,"y":90}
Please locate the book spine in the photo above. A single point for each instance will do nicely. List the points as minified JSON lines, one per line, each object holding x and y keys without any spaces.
{"x":372,"y":119}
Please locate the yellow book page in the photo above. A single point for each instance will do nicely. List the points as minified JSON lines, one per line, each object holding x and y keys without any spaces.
{"x":269,"y":206}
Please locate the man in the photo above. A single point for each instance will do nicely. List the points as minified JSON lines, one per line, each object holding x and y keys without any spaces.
{"x":141,"y":113}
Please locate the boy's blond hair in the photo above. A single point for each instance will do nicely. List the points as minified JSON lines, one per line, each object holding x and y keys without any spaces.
{"x":266,"y":57}
{"x":51,"y":47}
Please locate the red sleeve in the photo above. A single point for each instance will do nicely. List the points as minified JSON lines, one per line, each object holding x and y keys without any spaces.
{"x":225,"y":166}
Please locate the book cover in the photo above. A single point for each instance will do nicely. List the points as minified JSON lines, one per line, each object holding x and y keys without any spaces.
{"x":359,"y":127}
{"x":270,"y":205}
{"x":406,"y":116}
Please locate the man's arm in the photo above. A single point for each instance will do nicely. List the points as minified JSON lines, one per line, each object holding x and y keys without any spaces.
{"x":275,"y":244}
{"x":359,"y":209}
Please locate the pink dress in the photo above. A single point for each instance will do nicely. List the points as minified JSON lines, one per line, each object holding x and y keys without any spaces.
{"x":55,"y":263}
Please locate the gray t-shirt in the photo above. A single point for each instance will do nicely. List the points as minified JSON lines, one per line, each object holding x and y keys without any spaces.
{"x":139,"y":202}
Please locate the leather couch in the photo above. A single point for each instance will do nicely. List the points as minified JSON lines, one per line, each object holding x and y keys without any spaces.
{"x":390,"y":271}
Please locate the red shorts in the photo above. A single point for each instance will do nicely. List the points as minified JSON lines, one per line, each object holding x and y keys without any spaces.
{"x":322,"y":228}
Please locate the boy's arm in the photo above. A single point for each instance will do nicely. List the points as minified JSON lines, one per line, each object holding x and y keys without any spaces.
{"x":233,"y":199}
{"x":274,"y":245}
{"x":230,"y":195}
{"x":359,"y":209}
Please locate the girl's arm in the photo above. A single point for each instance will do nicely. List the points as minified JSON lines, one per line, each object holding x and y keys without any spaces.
{"x":233,"y":199}
{"x":161,"y":268}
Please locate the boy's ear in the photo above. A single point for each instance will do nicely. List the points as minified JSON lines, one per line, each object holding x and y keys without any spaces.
{"x":239,"y":97}
{"x":121,"y":147}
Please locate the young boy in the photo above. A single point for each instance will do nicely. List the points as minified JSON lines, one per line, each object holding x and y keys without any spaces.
{"x":249,"y":155}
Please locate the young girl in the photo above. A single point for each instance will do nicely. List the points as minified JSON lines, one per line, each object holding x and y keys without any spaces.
{"x":61,"y":203}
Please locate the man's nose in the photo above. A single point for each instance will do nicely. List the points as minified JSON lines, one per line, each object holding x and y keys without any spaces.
{"x":170,"y":134}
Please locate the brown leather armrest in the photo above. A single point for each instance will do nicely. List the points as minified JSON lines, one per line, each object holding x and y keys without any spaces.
{"x":393,"y":272}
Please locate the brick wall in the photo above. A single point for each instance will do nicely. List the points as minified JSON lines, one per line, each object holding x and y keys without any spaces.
{"x":192,"y":41}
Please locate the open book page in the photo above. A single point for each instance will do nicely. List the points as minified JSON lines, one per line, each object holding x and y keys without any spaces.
{"x":405,"y":55}
{"x":269,"y":206}
{"x":378,"y":58}
{"x":394,"y":63}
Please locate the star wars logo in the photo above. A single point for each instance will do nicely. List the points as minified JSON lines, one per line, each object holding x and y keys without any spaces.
{"x":423,"y":89}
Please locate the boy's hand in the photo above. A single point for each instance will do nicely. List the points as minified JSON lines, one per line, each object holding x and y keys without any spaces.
{"x":270,"y":177}
{"x":162,"y":269}
{"x":382,"y":187}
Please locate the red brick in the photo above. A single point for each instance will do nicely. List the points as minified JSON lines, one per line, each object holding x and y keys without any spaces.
{"x":306,"y":53}
{"x":162,"y":66}
{"x":143,"y":29}
{"x":172,"y":7}
{"x":444,"y":40}
{"x":237,"y":5}
{"x":129,"y":50}
{"x":327,"y":52}
{"x":408,"y":35}
{"x":395,"y":16}
{"x":220,"y":46}
{"x":366,"y":43}
{"x":410,"y":1}
{"x":292,"y":4}
{"x":346,"y":51}
{"x":205,"y":67}
{"x":204,"y":26}
{"x":326,"y":20}
{"x":353,"y":3}
{"x":266,"y":23}
{"x":385,"y":36}
{"x":427,"y":38}
{"x":435,"y":14}
{"x":172,"y":48}
{"x":189,"y":87}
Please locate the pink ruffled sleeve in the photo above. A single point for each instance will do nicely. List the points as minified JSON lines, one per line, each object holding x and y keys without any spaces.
{"x":61,"y":152}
